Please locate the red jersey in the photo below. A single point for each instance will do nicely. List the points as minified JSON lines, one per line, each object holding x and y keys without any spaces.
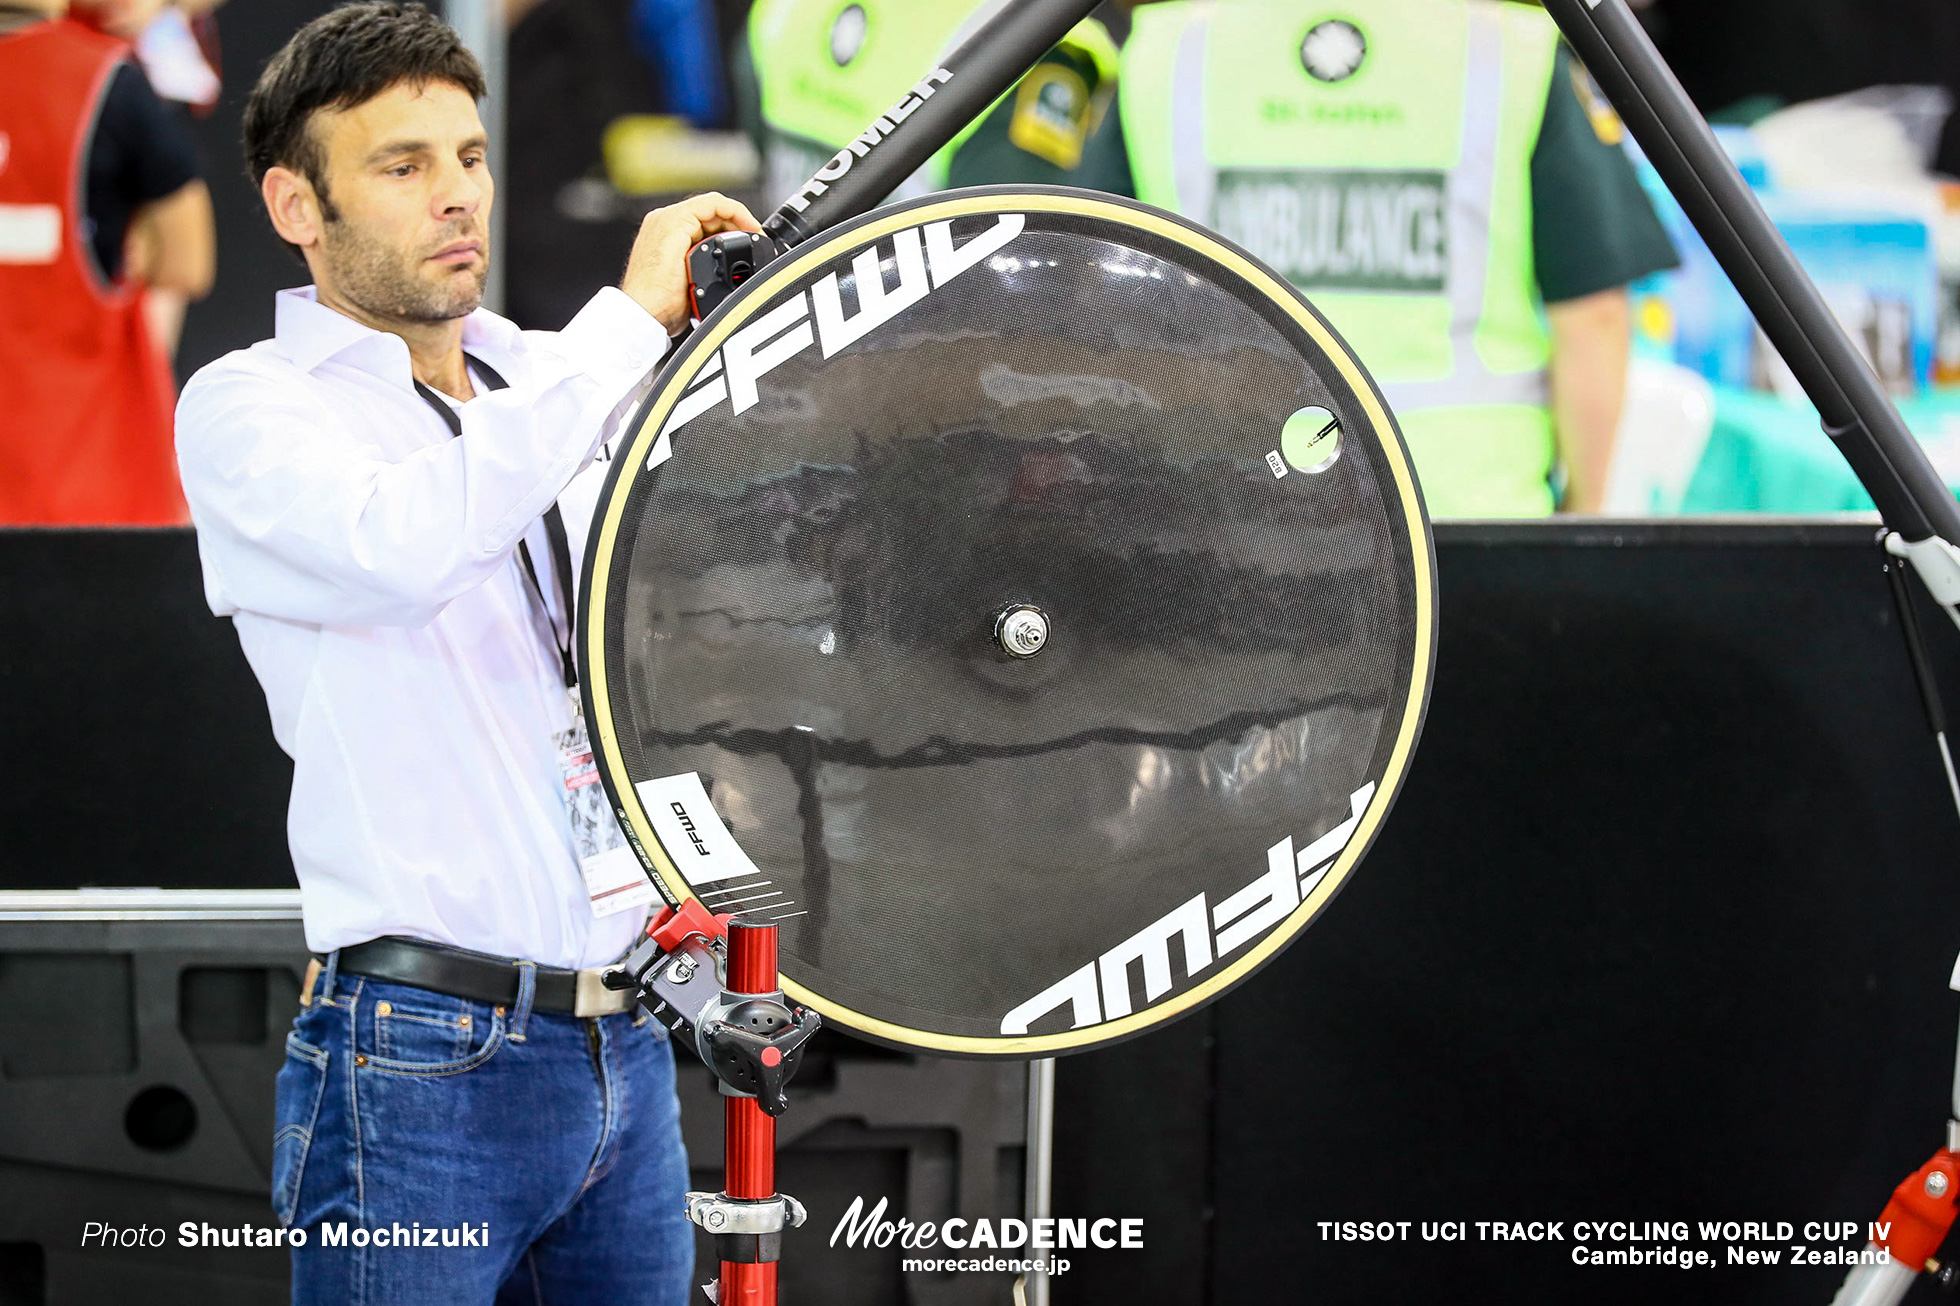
{"x":85,"y":397}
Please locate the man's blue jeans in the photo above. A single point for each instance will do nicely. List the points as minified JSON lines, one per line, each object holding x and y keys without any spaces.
{"x":437,"y":1150}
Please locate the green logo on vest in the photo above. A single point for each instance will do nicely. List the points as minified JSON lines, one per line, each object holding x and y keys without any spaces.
{"x":1359,"y":229}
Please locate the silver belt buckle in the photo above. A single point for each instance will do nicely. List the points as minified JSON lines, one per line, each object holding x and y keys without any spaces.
{"x":591,"y":997}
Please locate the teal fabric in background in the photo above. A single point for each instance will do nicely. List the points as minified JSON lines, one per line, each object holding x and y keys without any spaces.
{"x":1767,"y":454}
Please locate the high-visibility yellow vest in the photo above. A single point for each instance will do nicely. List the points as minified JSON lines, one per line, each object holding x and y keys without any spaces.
{"x":826,"y":68}
{"x":1376,"y":153}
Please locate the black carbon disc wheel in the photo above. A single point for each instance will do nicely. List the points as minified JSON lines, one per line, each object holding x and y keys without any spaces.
{"x":1039,"y":636}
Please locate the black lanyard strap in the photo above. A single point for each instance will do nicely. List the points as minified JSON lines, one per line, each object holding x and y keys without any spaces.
{"x":561,"y":563}
{"x":554,"y":529}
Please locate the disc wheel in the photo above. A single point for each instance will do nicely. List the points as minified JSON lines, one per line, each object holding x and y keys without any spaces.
{"x":1024,"y":599}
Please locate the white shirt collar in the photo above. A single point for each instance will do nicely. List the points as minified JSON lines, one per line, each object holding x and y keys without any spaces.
{"x":309,"y":334}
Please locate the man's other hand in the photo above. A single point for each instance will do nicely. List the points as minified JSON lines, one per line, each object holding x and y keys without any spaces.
{"x":656,"y":273}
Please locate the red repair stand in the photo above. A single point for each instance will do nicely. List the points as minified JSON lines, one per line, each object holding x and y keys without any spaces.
{"x":749,"y":1133}
{"x":712,"y":981}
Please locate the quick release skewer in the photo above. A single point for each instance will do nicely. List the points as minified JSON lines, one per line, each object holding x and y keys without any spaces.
{"x":1021,"y":630}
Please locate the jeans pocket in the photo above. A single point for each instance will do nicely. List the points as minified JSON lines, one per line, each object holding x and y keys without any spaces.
{"x":431,"y":1032}
{"x":302,"y":1083}
{"x":407,"y":1033}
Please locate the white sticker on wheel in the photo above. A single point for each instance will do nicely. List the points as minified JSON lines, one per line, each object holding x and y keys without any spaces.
{"x":690,"y":830}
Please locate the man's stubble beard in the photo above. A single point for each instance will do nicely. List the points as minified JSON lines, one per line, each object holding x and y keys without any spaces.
{"x":382,"y":281}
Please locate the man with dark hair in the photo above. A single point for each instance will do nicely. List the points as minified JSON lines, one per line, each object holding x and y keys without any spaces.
{"x":390,"y":495}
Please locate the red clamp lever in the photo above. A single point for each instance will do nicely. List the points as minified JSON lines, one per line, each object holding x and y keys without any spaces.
{"x":671,"y":927}
{"x":1921,"y":1211}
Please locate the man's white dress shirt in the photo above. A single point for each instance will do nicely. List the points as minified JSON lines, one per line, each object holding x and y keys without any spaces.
{"x":367,"y":558}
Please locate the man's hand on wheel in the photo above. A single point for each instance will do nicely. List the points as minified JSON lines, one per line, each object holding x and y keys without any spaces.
{"x":656,"y":273}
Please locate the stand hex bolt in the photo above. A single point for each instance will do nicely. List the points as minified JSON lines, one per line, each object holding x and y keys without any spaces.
{"x":716,"y":1219}
{"x":1936,"y":1184}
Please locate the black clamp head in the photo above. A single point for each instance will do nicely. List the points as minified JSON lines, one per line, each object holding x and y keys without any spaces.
{"x":719,"y":264}
{"x":753,"y":1043}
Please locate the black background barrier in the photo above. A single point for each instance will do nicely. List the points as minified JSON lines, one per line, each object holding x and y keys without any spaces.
{"x":138,"y":749}
{"x":1660,"y":929}
{"x":136,"y":1071}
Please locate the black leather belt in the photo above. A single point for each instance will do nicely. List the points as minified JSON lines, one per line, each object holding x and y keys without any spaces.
{"x":480,"y":977}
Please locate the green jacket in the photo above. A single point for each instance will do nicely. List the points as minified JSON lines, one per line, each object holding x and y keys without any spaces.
{"x":1376,"y":153}
{"x":823,"y":70}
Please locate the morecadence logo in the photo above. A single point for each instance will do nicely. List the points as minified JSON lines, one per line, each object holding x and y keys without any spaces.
{"x":871,"y":1229}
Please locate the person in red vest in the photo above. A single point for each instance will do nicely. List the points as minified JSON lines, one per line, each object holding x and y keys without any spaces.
{"x":99,"y":198}
{"x":175,"y":43}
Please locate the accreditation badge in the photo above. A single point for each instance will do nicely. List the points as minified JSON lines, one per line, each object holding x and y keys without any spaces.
{"x":613,"y":878}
